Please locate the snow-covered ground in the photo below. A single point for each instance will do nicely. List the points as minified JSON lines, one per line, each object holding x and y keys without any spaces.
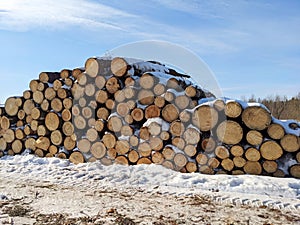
{"x":51,"y":185}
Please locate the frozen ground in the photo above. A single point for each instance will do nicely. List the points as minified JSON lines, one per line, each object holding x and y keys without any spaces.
{"x":53,"y":191}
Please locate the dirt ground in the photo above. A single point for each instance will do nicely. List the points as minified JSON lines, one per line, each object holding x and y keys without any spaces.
{"x":40,"y":202}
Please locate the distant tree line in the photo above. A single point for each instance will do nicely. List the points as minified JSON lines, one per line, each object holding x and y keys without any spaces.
{"x":280,"y":106}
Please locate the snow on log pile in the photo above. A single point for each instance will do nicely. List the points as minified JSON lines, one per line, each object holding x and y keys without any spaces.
{"x":136,"y":112}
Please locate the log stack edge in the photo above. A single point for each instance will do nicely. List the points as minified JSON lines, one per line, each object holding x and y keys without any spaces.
{"x":141,"y":112}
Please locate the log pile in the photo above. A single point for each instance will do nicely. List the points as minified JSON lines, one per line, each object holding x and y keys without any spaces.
{"x":132,"y":112}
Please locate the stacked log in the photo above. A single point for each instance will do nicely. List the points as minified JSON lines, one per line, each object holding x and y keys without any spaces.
{"x":133,"y":112}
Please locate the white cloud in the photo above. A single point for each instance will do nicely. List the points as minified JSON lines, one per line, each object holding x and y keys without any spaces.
{"x":23,"y":15}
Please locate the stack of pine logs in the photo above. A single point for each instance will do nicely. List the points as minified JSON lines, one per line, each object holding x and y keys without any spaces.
{"x":135,"y":112}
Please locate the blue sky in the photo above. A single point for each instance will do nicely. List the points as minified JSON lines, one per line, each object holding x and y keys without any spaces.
{"x":253,"y":47}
